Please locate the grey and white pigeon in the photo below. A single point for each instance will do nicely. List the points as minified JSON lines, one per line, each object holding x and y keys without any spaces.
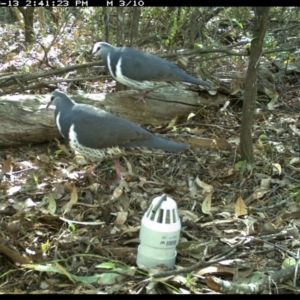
{"x":140,"y":70}
{"x":100,"y":135}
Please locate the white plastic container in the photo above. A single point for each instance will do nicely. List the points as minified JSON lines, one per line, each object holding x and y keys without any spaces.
{"x":159,"y":234}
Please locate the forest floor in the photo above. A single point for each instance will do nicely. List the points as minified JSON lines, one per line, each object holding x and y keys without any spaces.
{"x":66,"y":231}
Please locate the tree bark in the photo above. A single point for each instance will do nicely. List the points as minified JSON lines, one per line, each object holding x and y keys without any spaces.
{"x":136,"y":13}
{"x":105,"y":20}
{"x":120,"y":40}
{"x":120,"y":27}
{"x":27,"y":13}
{"x":260,"y":27}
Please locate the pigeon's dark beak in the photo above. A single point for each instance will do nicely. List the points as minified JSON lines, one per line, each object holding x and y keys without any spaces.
{"x":50,"y":102}
{"x":95,"y":55}
{"x":95,"y":52}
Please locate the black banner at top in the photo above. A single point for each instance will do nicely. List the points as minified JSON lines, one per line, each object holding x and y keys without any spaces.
{"x":81,"y":3}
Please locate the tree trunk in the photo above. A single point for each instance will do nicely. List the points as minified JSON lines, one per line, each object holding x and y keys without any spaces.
{"x":136,"y":13}
{"x":105,"y":19}
{"x":27,"y":13}
{"x":193,"y":22}
{"x":260,"y":27}
{"x":120,"y":41}
{"x":120,"y":26}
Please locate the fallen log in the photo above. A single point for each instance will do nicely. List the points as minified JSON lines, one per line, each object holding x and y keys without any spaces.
{"x":24,"y":119}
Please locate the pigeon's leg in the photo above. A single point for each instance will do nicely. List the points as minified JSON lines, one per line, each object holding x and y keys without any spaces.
{"x":141,"y":97}
{"x":90,"y":170}
{"x":118,"y":172}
